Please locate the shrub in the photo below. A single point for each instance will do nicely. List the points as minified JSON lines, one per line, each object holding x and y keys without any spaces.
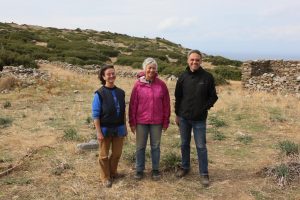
{"x":5,"y":122}
{"x":219,"y":60}
{"x":89,"y":120}
{"x":6,"y":104}
{"x":288,"y":147}
{"x":246,"y":139}
{"x":71,"y":134}
{"x":170,"y":161}
{"x":230,"y":73}
{"x":217,"y":135}
{"x":215,"y":121}
{"x":276,"y":115}
{"x":129,"y":153}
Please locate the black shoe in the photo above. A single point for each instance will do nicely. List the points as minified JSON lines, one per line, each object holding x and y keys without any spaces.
{"x":182,"y":172}
{"x":205,"y":180}
{"x":139,"y":175}
{"x":155,"y":175}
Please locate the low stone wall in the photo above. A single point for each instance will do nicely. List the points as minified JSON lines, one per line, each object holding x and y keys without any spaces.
{"x":20,"y":76}
{"x":272,"y":76}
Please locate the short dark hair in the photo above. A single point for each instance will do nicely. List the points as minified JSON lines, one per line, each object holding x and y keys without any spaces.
{"x":194,"y":51}
{"x":102,"y":71}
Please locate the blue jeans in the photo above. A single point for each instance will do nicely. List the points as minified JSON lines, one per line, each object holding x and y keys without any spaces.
{"x":142,"y":131}
{"x":199,"y":129}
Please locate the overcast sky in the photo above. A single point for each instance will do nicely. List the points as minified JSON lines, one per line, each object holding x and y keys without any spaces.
{"x":238,"y":29}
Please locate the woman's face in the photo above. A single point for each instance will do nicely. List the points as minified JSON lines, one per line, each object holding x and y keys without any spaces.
{"x":150,"y":71}
{"x":109,"y":76}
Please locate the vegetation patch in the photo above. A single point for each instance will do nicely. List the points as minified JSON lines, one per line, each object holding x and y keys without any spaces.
{"x":288,"y":147}
{"x":216,"y":121}
{"x":276,"y":115}
{"x":283,"y":174}
{"x":245,"y":139}
{"x":6,"y":104}
{"x":5,"y":122}
{"x":170,"y":161}
{"x":71,"y":134}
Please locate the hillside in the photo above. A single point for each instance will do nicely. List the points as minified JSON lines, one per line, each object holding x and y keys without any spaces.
{"x":23,"y":44}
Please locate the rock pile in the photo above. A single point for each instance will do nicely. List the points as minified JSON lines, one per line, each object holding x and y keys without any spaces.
{"x":272,"y":76}
{"x":24,"y":76}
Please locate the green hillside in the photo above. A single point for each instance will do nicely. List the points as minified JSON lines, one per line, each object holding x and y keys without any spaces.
{"x":22,"y":44}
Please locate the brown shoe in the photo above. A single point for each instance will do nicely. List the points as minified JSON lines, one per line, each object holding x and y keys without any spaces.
{"x":182,"y":172}
{"x":107,"y":183}
{"x":117,"y":176}
{"x":204,"y":180}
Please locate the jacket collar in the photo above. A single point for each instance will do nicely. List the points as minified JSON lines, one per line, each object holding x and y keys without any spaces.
{"x":142,"y":78}
{"x":200,"y":70}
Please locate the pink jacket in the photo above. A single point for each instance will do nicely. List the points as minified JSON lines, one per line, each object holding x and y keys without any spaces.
{"x":149,"y":103}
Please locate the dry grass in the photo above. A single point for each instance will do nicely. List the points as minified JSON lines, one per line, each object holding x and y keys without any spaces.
{"x":7,"y":83}
{"x":41,"y":114}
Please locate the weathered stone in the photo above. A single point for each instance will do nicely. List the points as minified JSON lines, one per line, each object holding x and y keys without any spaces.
{"x":92,"y":144}
{"x":272,"y":76}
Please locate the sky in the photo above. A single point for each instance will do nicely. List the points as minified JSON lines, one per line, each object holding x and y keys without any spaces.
{"x":236,"y":29}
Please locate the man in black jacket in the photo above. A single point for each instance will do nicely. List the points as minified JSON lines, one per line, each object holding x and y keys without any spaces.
{"x":195,"y":94}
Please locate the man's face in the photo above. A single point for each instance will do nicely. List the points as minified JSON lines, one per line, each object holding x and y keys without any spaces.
{"x":194,"y":61}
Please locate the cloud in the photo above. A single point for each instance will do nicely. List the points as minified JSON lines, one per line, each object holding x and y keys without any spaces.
{"x":174,"y":23}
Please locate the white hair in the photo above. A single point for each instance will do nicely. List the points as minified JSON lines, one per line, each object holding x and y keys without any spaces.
{"x":149,"y":61}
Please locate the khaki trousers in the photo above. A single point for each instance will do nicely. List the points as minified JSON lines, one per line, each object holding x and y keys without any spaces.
{"x":109,"y":163}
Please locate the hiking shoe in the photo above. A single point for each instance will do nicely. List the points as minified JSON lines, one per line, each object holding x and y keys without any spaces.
{"x":204,"y":180}
{"x":155,"y":175}
{"x":117,"y":176}
{"x":182,"y":172}
{"x":107,"y":183}
{"x":139,"y":175}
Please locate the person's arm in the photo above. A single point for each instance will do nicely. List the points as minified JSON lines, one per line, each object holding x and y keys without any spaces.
{"x":96,"y":110}
{"x":178,"y":98}
{"x":133,"y":109}
{"x":212,"y":94}
{"x":166,"y":108}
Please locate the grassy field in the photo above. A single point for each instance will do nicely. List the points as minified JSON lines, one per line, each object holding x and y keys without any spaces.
{"x":47,"y":121}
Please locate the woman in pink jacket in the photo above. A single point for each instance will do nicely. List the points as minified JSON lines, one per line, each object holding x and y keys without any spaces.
{"x":149,"y":113}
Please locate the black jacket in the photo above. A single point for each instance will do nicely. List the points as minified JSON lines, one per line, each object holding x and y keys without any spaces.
{"x":195,"y":93}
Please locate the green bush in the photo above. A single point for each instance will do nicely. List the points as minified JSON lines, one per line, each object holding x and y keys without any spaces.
{"x":5,"y":122}
{"x":71,"y":134}
{"x":230,"y":73}
{"x":215,"y":121}
{"x":246,"y":139}
{"x":282,"y":171}
{"x":130,"y":60}
{"x":276,"y":115}
{"x":217,"y":135}
{"x":6,"y":104}
{"x":129,"y":153}
{"x":170,"y":161}
{"x":219,"y":60}
{"x":289,"y":148}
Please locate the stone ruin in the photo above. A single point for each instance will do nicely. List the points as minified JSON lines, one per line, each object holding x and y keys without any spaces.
{"x":275,"y":76}
{"x":23,"y":76}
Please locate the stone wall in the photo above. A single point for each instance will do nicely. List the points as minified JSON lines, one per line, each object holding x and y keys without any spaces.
{"x":272,"y":76}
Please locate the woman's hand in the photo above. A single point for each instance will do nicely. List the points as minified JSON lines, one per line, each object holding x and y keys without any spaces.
{"x":100,"y":136}
{"x":133,"y":128}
